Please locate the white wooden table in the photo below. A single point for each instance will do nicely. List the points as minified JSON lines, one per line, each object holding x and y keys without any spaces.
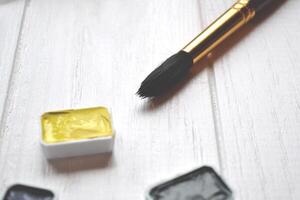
{"x":240,"y":114}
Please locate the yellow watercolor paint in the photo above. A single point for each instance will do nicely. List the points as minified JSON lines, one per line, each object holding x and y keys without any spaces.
{"x":73,"y":125}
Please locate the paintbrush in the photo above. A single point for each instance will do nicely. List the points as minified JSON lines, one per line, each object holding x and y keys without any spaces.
{"x":176,"y":68}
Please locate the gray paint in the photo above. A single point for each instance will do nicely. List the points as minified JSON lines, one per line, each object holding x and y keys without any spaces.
{"x":23,"y":192}
{"x":201,"y":184}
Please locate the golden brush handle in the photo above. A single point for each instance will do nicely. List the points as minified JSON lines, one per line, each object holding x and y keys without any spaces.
{"x":238,"y":15}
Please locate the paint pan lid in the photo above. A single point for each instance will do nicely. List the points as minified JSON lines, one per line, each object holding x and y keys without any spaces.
{"x":201,"y":184}
{"x":79,"y":132}
{"x":23,"y":192}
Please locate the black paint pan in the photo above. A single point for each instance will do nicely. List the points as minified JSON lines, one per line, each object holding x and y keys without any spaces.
{"x":23,"y":192}
{"x":201,"y":184}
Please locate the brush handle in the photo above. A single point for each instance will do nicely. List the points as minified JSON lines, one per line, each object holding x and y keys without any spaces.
{"x":259,"y":5}
{"x":228,"y":23}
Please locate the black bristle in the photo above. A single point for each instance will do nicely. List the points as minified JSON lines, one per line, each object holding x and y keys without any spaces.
{"x":167,"y":75}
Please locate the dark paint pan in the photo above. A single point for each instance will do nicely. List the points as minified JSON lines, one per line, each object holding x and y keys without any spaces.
{"x":23,"y":192}
{"x":201,"y":184}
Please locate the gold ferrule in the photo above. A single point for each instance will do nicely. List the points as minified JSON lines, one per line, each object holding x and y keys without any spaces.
{"x":238,"y":15}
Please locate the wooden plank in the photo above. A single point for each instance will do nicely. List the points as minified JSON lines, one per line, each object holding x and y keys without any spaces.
{"x":87,"y":53}
{"x":11,"y":14}
{"x":256,"y":83}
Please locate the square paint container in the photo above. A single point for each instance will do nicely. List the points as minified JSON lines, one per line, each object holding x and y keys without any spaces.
{"x":201,"y":184}
{"x":24,"y":192}
{"x":70,"y":133}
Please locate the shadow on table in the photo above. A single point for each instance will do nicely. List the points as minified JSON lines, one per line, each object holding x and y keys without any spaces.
{"x":83,"y":163}
{"x":6,"y":1}
{"x":218,"y":53}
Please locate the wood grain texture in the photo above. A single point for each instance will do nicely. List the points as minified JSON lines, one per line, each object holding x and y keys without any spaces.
{"x":75,"y":53}
{"x":256,"y":84}
{"x":240,"y":114}
{"x":11,"y":15}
